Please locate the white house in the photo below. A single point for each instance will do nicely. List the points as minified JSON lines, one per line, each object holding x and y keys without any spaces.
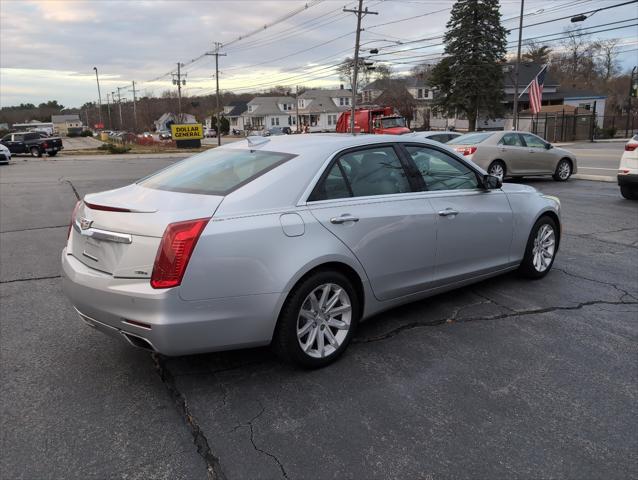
{"x":319,"y":109}
{"x":234,"y":113}
{"x":267,"y":112}
{"x":167,"y":119}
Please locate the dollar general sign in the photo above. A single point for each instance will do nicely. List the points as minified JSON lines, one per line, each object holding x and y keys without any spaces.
{"x":191,"y":131}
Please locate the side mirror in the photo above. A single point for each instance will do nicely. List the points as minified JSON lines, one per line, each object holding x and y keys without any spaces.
{"x":491,"y":182}
{"x":548,"y":146}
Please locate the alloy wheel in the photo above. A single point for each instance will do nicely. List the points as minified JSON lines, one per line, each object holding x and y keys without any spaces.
{"x":497,"y":170}
{"x":564,"y":170}
{"x":324,"y":320}
{"x":544,"y":248}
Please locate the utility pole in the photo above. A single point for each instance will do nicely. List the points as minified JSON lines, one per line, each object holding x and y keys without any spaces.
{"x":517,"y":65}
{"x":108,"y":107}
{"x":632,"y":82}
{"x":216,"y":54}
{"x":99,"y":95}
{"x":360,"y":14}
{"x":119,"y":104}
{"x":297,"y":106}
{"x":134,"y":106}
{"x":179,"y":81}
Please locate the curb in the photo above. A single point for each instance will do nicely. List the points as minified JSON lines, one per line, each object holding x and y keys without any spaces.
{"x":594,"y":178}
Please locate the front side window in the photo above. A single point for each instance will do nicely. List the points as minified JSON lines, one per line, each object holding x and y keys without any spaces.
{"x":215,"y":172}
{"x":533,"y":141}
{"x":511,"y":140}
{"x":393,"y":122}
{"x":441,"y":171}
{"x":373,"y":171}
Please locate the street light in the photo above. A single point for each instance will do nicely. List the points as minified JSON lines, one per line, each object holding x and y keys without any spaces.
{"x":578,"y":18}
{"x":99,"y":95}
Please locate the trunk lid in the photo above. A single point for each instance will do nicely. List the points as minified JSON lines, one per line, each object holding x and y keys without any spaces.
{"x":125,"y":243}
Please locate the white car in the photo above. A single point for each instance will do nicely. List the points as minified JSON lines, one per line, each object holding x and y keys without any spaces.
{"x":5,"y":154}
{"x":628,"y":170}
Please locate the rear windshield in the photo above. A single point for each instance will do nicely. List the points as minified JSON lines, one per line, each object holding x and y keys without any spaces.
{"x":470,"y":139}
{"x":215,"y":172}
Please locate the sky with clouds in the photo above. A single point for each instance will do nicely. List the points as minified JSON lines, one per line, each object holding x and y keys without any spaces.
{"x":48,"y":48}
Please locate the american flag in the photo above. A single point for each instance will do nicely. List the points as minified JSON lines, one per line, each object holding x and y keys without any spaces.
{"x":536,"y":91}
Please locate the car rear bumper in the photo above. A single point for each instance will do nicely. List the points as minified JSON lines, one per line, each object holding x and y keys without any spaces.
{"x":173,"y":326}
{"x":628,"y":179}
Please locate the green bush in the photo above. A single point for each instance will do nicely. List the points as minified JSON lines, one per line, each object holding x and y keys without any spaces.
{"x":72,"y":134}
{"x":86,"y":133}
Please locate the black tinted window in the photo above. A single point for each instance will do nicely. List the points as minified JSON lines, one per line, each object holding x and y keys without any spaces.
{"x":374,"y":171}
{"x":440,"y":171}
{"x":215,"y":172}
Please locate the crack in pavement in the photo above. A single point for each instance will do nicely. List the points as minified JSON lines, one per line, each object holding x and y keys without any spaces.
{"x":588,"y":237}
{"x":34,"y":228}
{"x":75,"y":192}
{"x":536,"y":311}
{"x":213,"y":466}
{"x":29,"y":279}
{"x":250,"y":425}
{"x":624,"y":292}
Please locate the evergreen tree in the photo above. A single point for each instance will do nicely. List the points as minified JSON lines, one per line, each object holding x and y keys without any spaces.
{"x":470,"y":77}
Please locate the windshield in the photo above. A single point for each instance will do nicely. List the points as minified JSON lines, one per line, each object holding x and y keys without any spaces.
{"x":470,"y":139}
{"x":215,"y":172}
{"x":393,"y":122}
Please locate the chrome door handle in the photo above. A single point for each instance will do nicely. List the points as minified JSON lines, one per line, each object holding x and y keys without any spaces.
{"x":448,"y":212}
{"x":343,"y":219}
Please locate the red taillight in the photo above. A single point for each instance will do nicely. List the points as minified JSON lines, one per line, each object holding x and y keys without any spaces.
{"x":175,"y":251}
{"x":45,"y":145}
{"x":466,"y":150}
{"x":630,"y":147}
{"x":105,"y":208}
{"x":75,"y":211}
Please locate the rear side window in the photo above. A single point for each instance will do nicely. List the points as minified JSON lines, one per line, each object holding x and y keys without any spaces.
{"x":470,"y":139}
{"x":511,"y":140}
{"x":373,"y":171}
{"x":215,"y":172}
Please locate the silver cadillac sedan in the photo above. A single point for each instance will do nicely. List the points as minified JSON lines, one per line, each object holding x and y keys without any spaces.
{"x":293,"y":240}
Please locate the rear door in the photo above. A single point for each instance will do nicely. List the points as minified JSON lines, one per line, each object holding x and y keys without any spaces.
{"x":513,"y":151}
{"x":366,"y":199}
{"x":474,"y":226}
{"x":541,"y":160}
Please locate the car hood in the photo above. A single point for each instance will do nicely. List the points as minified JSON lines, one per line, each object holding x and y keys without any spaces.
{"x":517,"y":188}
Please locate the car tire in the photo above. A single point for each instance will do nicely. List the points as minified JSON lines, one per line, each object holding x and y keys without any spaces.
{"x":541,"y":248}
{"x":563,"y":170}
{"x":35,"y":152}
{"x":498,"y":169}
{"x":52,"y":154}
{"x":629,"y":193}
{"x":323,"y":336}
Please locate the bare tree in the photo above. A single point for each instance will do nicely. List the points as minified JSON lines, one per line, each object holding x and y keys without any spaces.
{"x":609,"y":58}
{"x":346,"y":71}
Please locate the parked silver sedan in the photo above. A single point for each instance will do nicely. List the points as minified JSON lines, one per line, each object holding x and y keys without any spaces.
{"x":516,"y":154}
{"x":293,"y":240}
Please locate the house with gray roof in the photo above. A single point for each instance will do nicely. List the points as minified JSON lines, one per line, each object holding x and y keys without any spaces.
{"x":319,"y":109}
{"x":263,"y":113}
{"x":64,"y":124}
{"x":234,"y":112}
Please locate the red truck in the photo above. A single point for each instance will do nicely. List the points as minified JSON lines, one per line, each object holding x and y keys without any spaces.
{"x":378,"y":120}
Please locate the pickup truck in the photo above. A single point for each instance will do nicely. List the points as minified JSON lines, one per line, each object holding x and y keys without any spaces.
{"x":32,"y":143}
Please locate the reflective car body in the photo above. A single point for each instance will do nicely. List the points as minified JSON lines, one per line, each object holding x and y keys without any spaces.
{"x":520,"y":153}
{"x":442,"y":136}
{"x":628,"y":170}
{"x":5,"y":154}
{"x":397,"y":233}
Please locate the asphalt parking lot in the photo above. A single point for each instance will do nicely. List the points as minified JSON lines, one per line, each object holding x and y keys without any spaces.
{"x":507,"y":378}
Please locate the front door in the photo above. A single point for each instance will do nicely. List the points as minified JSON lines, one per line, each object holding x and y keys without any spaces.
{"x":541,"y":159}
{"x":366,"y":199}
{"x":474,"y":225}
